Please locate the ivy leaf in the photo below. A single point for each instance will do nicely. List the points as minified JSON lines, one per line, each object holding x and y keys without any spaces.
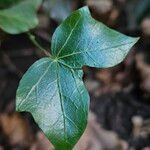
{"x":20,"y":17}
{"x":81,"y":40}
{"x":52,"y":89}
{"x":8,"y":3}
{"x":56,"y":97}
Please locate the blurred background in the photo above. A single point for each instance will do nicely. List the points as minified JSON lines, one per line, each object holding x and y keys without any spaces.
{"x":119,"y":117}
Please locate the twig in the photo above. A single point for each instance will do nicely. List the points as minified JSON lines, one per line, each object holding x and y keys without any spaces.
{"x":33,"y":40}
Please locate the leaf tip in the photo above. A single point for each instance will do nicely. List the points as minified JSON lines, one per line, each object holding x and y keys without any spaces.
{"x":137,"y":39}
{"x":85,"y":9}
{"x":134,"y":40}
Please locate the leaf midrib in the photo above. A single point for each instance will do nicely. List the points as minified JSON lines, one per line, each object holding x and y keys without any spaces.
{"x":69,"y":36}
{"x":61,"y":102}
{"x":124,"y":44}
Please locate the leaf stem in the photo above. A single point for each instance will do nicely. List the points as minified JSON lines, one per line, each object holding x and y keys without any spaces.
{"x":33,"y":40}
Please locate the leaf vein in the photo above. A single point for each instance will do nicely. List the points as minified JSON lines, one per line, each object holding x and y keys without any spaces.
{"x":96,"y":50}
{"x":34,"y":86}
{"x":68,"y":38}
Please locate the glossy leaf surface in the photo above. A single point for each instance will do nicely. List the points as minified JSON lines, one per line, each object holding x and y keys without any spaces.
{"x":81,"y":40}
{"x":57,"y":99}
{"x":52,"y":89}
{"x":20,"y":17}
{"x":8,"y":3}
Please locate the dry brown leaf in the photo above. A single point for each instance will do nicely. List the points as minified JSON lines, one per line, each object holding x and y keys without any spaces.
{"x":16,"y":129}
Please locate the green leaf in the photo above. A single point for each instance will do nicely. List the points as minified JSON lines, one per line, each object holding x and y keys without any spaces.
{"x":52,"y":89}
{"x":20,"y":17}
{"x":56,"y":97}
{"x":8,"y":3}
{"x":81,"y":40}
